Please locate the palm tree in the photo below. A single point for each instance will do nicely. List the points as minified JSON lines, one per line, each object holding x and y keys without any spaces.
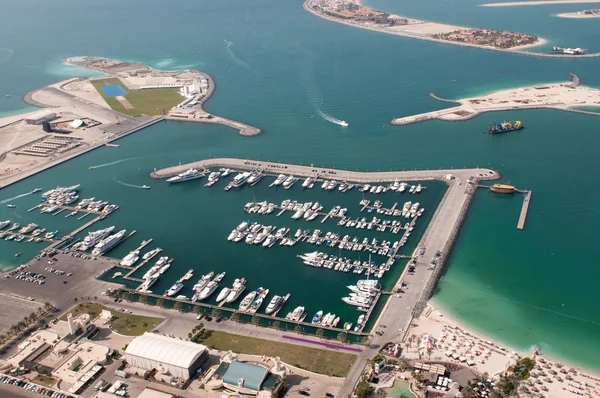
{"x":143,"y":299}
{"x":276,"y":325}
{"x":234,"y":317}
{"x":255,"y":320}
{"x":178,"y":306}
{"x":298,"y":329}
{"x":342,"y":337}
{"x":160,"y":303}
{"x":216,"y":313}
{"x":319,"y":333}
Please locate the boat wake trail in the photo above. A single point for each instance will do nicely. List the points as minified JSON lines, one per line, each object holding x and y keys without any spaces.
{"x":130,"y":185}
{"x":234,"y":57}
{"x":111,"y":163}
{"x":16,"y":197}
{"x":331,"y":119}
{"x":5,"y":54}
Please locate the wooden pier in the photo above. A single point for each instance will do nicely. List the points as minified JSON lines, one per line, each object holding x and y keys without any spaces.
{"x":75,"y":232}
{"x":369,"y":312}
{"x":35,"y":207}
{"x":524,"y":209}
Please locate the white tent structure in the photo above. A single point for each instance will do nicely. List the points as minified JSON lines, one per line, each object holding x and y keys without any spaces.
{"x":167,"y":355}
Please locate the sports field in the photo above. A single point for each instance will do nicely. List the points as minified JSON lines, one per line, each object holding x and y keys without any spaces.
{"x":134,"y":103}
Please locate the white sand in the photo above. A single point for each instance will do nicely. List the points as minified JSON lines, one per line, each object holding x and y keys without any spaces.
{"x":492,"y":358}
{"x":578,"y":14}
{"x":537,"y":3}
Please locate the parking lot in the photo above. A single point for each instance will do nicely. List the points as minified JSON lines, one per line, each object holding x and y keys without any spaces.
{"x":19,"y":388}
{"x":14,"y":308}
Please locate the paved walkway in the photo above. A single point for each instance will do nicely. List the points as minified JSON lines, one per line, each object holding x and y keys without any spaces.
{"x":327,"y":173}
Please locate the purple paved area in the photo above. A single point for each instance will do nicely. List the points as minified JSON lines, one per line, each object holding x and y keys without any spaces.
{"x":328,"y":345}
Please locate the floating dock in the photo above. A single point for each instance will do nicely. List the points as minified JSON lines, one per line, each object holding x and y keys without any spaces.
{"x":524,"y":209}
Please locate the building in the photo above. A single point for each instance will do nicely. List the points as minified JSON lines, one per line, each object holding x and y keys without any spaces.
{"x":40,"y":117}
{"x":247,"y":378}
{"x":150,"y":393}
{"x":177,"y":358}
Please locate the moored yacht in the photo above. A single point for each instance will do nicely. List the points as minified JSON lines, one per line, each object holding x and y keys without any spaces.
{"x":131,"y":258}
{"x":223,"y":294}
{"x":191,"y":174}
{"x":317,"y":317}
{"x":255,"y":178}
{"x":240,"y":179}
{"x":173,"y":290}
{"x":308,"y":183}
{"x":289,"y":182}
{"x":108,"y":243}
{"x":4,"y":224}
{"x":239,"y":285}
{"x":279,"y":180}
{"x":151,"y":253}
{"x":297,"y":314}
{"x":247,"y":301}
{"x":208,"y":290}
{"x":274,"y":305}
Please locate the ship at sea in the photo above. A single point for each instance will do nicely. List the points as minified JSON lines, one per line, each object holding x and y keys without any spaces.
{"x":504,"y":127}
{"x":503,"y":188}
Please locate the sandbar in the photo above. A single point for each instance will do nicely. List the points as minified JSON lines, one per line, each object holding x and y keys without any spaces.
{"x":563,"y":96}
{"x":581,"y":14}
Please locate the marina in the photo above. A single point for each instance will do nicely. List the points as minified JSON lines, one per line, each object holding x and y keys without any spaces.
{"x":333,"y":216}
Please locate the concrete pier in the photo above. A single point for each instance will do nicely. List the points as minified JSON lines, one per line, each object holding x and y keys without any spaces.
{"x":274,"y":168}
{"x":524,"y":209}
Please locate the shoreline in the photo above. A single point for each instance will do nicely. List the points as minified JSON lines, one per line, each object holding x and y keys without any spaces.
{"x":515,"y":50}
{"x":578,"y":15}
{"x":563,"y":96}
{"x":449,"y":318}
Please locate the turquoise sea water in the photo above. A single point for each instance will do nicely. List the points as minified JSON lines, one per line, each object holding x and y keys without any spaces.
{"x":275,"y":66}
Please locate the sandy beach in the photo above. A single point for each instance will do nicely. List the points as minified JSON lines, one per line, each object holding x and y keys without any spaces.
{"x":537,"y":3}
{"x":455,"y":343}
{"x":578,"y":14}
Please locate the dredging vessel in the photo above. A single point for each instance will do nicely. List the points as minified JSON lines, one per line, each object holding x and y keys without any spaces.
{"x":504,"y":127}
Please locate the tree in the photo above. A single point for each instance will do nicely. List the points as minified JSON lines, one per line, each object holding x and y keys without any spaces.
{"x":319,"y":333}
{"x":216,"y":313}
{"x":363,"y":389}
{"x":468,"y":392}
{"x":380,"y":393}
{"x":198,"y":309}
{"x":342,"y":337}
{"x":160,"y":303}
{"x":276,"y":325}
{"x":126,"y":296}
{"x":298,"y":329}
{"x":75,"y":299}
{"x":178,"y":306}
{"x":234,"y":317}
{"x":143,"y":299}
{"x":255,"y":320}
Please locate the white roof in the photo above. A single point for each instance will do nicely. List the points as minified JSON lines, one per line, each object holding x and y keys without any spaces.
{"x":76,"y":123}
{"x":165,"y":349}
{"x":148,"y":393}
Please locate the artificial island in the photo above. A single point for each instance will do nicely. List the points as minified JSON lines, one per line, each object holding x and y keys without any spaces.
{"x":593,"y":13}
{"x":99,"y":323}
{"x":82,"y":114}
{"x":567,"y":96}
{"x":352,"y":13}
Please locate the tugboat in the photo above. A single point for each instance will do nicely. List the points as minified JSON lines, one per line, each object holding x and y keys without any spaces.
{"x":504,"y":127}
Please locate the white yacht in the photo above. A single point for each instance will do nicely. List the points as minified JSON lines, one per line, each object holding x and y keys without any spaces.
{"x":308,"y":182}
{"x":279,"y":180}
{"x":331,"y":186}
{"x":191,"y":174}
{"x":173,"y":290}
{"x":151,"y":253}
{"x":202,"y":282}
{"x":240,"y":179}
{"x":147,"y":283}
{"x":4,"y":224}
{"x":131,"y":258}
{"x":325,"y":185}
{"x":297,"y":314}
{"x":242,"y":226}
{"x":317,"y":318}
{"x":395,"y":185}
{"x":226,"y":172}
{"x":208,"y":290}
{"x":214,"y":176}
{"x":418,"y":189}
{"x":289,"y":182}
{"x":223,"y":294}
{"x":108,"y":243}
{"x":94,"y":237}
{"x":247,"y":301}
{"x":261,"y":294}
{"x":239,"y":285}
{"x":344,"y":123}
{"x":274,"y":304}
{"x":358,"y":301}
{"x":233,"y":235}
{"x":402,"y":187}
{"x":255,"y":178}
